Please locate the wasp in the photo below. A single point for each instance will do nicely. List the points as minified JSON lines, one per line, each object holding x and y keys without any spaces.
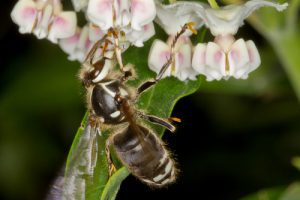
{"x":111,"y":105}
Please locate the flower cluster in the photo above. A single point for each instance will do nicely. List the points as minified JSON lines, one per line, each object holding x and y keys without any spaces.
{"x":224,"y":57}
{"x":45,"y":18}
{"x":133,"y":19}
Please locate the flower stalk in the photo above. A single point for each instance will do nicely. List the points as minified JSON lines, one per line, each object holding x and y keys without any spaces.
{"x":213,"y":4}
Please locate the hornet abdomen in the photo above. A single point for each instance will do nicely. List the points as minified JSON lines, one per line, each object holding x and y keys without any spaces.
{"x":144,"y":155}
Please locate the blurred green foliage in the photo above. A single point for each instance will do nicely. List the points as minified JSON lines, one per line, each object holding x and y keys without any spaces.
{"x":43,"y":87}
{"x":282,"y":31}
{"x":292,"y":192}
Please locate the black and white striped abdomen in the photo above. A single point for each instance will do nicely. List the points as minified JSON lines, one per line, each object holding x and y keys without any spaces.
{"x":145,"y":156}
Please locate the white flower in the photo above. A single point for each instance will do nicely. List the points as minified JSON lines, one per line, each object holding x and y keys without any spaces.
{"x":230,"y":18}
{"x":95,"y":33}
{"x":133,"y":17}
{"x":78,"y":45}
{"x":225,"y":20}
{"x":171,"y":18}
{"x":137,"y":38}
{"x":217,"y":60}
{"x":181,"y":66}
{"x":225,"y":57}
{"x":44,"y":19}
{"x":80,"y":4}
{"x":116,"y":13}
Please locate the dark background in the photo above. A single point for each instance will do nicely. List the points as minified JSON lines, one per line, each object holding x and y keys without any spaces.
{"x":236,"y":136}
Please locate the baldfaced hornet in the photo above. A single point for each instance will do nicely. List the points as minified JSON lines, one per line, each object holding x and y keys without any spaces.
{"x":111,"y":106}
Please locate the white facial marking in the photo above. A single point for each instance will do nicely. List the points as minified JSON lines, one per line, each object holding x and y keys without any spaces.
{"x":158,"y":178}
{"x":137,"y":148}
{"x":166,"y":181}
{"x":148,"y":181}
{"x":115,"y":114}
{"x":169,"y":167}
{"x":103,"y":73}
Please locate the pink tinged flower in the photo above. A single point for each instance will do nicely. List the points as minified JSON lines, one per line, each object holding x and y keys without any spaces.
{"x":238,"y":61}
{"x":225,"y":57}
{"x":101,"y":13}
{"x":137,"y":38}
{"x":183,"y":69}
{"x":142,"y":12}
{"x":226,"y":20}
{"x":121,"y":13}
{"x":95,"y":33}
{"x":44,"y":19}
{"x":24,"y":14}
{"x":173,"y":16}
{"x":78,"y":45}
{"x":62,"y":26}
{"x":212,"y":59}
{"x":160,"y":53}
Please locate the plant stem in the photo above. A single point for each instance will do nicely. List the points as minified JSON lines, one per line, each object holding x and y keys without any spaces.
{"x":213,"y":4}
{"x":292,"y":15}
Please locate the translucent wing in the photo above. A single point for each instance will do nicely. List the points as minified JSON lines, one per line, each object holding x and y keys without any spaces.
{"x":81,"y":163}
{"x":55,"y":190}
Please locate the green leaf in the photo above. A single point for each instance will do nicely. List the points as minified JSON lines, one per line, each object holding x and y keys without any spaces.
{"x":292,"y":192}
{"x":113,"y":185}
{"x":287,"y":46}
{"x":158,"y":100}
{"x":296,"y":162}
{"x":267,"y":194}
